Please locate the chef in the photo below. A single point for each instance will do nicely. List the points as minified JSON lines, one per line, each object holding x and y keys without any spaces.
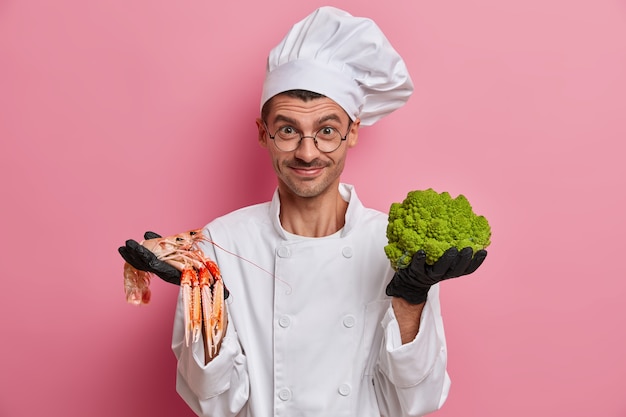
{"x":318,"y":323}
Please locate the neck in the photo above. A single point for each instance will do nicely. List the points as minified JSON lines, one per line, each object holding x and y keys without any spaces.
{"x":317,"y":216}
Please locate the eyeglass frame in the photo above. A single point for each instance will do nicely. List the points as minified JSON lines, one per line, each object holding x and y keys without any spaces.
{"x":342,"y":139}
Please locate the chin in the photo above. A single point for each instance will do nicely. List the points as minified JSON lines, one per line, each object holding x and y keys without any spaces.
{"x":310,"y":189}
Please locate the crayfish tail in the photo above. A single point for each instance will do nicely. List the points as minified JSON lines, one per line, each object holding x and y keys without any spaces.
{"x":136,"y":285}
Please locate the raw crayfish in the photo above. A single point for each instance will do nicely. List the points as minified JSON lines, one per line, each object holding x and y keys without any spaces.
{"x":201,"y":284}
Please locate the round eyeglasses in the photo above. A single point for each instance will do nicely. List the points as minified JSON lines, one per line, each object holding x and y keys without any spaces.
{"x":288,"y":139}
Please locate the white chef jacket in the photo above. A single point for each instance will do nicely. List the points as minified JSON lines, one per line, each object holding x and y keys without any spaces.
{"x":311,"y":331}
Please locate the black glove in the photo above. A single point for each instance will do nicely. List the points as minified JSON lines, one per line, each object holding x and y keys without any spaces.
{"x":413,"y":282}
{"x":144,"y":260}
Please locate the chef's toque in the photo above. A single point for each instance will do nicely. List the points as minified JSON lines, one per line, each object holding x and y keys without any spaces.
{"x":348,"y":59}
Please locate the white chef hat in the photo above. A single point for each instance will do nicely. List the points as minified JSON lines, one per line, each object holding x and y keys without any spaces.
{"x":348,"y":59}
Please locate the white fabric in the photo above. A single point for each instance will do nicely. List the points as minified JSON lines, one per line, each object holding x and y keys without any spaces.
{"x":311,"y":331}
{"x":343,"y":57}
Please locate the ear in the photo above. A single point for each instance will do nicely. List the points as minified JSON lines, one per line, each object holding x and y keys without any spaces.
{"x":262,"y":133}
{"x":353,"y":136}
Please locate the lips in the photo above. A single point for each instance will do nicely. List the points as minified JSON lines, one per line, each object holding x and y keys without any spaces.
{"x":310,"y":169}
{"x":307,"y":171}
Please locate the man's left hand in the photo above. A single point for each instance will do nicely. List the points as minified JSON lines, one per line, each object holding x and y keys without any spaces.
{"x":413,"y":282}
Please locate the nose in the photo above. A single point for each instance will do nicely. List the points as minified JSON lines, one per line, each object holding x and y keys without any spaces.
{"x":307,"y":150}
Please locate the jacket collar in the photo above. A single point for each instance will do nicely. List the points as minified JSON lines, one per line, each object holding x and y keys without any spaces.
{"x":347,"y":192}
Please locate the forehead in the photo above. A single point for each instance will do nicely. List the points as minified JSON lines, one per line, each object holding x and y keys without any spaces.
{"x":293,"y":108}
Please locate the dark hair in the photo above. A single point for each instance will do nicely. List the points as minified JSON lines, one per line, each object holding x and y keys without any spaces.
{"x":304,"y":95}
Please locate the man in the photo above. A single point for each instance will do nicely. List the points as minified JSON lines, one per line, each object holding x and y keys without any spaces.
{"x":319,"y":324}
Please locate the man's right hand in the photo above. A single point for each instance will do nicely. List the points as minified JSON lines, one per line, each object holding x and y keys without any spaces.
{"x":144,"y":260}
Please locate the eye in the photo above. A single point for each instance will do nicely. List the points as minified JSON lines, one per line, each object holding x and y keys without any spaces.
{"x":327,"y":132}
{"x":288,"y":132}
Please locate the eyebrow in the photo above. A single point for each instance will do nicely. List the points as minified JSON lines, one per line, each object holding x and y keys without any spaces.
{"x":323,"y":119}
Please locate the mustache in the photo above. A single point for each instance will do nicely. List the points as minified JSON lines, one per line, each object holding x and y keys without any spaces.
{"x":300,"y":164}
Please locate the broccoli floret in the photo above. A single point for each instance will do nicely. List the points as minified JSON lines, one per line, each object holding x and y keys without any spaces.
{"x":434,"y":222}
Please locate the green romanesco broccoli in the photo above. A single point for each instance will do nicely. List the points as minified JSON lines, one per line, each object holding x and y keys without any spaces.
{"x":433,"y":222}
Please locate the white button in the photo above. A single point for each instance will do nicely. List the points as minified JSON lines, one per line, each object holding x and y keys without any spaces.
{"x":284,"y":321}
{"x":347,"y":252}
{"x":349,"y":321}
{"x":284,"y":252}
{"x":284,"y":394}
{"x":344,"y":389}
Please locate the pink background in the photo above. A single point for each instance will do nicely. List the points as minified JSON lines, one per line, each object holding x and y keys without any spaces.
{"x":122,"y":116}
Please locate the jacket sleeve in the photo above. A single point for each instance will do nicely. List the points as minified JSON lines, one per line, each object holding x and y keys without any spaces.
{"x":412,"y":379}
{"x":218,"y":389}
